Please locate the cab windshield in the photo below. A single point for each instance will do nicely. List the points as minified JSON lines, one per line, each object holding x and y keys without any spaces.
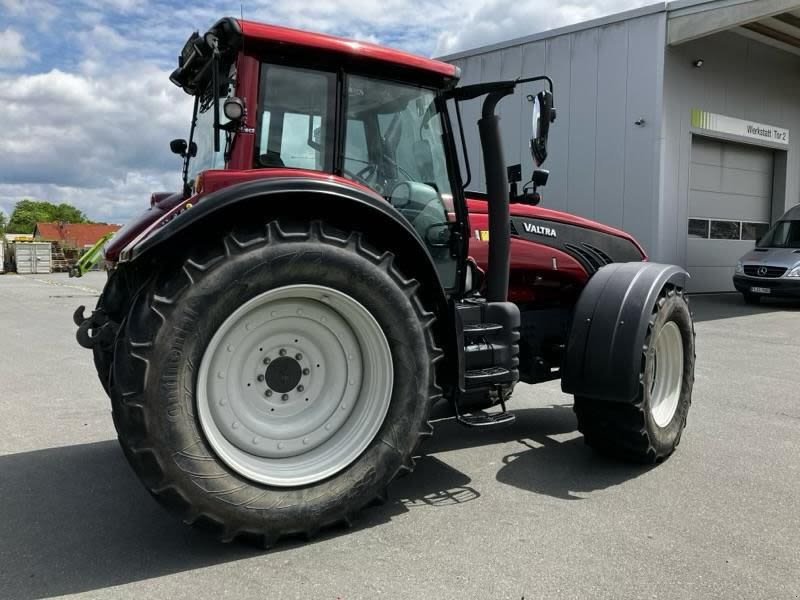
{"x":784,"y":234}
{"x":393,"y":138}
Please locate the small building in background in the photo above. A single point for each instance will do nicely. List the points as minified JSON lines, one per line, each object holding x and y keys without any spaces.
{"x":7,"y":246}
{"x":70,"y":239}
{"x":73,"y":235}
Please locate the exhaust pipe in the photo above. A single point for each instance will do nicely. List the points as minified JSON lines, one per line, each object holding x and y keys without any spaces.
{"x":497,"y":190}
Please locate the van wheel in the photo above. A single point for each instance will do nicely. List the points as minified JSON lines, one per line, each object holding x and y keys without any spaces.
{"x":751,"y":298}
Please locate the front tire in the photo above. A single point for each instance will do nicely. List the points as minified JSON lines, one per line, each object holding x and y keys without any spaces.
{"x":342,"y":420}
{"x":649,"y":429}
{"x":752,"y":299}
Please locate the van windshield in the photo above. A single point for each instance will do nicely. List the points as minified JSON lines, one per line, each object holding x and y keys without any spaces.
{"x":784,"y":234}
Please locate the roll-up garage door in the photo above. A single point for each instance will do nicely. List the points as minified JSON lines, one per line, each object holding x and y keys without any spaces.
{"x":730,"y":196}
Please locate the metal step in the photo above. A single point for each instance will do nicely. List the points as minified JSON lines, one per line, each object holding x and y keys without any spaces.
{"x":481,"y":377}
{"x":475,"y":329}
{"x":487,"y":420}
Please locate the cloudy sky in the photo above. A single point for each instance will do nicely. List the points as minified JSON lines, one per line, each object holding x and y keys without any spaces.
{"x":87,"y":111}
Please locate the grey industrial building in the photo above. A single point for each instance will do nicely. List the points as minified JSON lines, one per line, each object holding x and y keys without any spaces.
{"x":677,"y":122}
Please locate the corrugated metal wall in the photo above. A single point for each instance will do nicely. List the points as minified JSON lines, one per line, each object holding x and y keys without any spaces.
{"x":740,"y":78}
{"x":602,"y":165}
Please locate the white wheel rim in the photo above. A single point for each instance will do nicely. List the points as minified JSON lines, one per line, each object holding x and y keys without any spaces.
{"x":666,"y":374}
{"x":294,"y":385}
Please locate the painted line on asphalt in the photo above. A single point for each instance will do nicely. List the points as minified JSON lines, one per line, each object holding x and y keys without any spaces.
{"x":81,"y":288}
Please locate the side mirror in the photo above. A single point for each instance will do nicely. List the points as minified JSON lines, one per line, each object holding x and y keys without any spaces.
{"x":178,"y":147}
{"x":540,"y":178}
{"x":543,"y":115}
{"x":183,"y":150}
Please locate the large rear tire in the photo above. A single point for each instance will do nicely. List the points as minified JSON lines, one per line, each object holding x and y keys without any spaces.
{"x":275,"y":382}
{"x":649,"y":429}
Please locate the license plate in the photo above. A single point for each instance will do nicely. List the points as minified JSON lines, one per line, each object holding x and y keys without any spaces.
{"x":760,"y":290}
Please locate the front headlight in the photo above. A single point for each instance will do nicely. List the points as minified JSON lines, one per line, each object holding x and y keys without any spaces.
{"x":794,"y":272}
{"x":739,"y":267}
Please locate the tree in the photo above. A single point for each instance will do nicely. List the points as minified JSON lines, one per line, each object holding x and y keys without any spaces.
{"x":2,"y":224}
{"x":29,"y":212}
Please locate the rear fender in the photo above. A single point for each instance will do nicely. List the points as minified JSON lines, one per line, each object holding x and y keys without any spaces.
{"x":302,"y":199}
{"x":604,"y":352}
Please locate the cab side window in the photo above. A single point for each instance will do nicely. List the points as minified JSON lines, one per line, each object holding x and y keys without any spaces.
{"x":295,"y":126}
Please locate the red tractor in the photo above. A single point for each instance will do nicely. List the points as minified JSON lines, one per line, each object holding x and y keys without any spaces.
{"x":273,"y":337}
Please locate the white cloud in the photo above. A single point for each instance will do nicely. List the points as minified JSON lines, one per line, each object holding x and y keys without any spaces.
{"x":116,"y":202}
{"x":66,"y":131}
{"x":490,"y":21}
{"x":13,"y":7}
{"x":12,"y":51}
{"x":40,"y":13}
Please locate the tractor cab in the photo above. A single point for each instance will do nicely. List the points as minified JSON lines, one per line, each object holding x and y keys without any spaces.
{"x":381,"y":129}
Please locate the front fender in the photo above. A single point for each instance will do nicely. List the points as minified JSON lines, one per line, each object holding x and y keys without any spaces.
{"x":603,"y":357}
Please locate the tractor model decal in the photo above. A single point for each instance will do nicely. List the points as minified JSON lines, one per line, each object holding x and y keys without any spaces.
{"x":539,"y":229}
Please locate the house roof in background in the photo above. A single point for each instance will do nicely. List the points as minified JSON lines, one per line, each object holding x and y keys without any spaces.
{"x":73,"y":234}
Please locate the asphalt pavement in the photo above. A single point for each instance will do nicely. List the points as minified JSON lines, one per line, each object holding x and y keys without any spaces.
{"x":523,"y":512}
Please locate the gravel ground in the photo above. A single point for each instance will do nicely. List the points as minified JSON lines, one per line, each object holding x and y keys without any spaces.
{"x":526,"y":511}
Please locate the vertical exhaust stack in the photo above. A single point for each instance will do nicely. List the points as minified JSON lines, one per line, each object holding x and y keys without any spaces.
{"x":497,"y":191}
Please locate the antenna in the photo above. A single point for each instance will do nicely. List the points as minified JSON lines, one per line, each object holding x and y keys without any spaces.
{"x":241,"y":15}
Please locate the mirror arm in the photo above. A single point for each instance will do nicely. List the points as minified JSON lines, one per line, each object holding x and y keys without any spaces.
{"x":540,"y":78}
{"x":513,"y":193}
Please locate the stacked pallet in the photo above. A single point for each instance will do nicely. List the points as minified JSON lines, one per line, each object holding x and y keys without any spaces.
{"x":60,"y":262}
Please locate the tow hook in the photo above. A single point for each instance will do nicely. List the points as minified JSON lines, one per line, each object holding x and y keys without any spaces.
{"x":96,"y":329}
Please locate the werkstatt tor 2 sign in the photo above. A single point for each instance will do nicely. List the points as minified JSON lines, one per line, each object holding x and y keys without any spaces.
{"x":740,"y":127}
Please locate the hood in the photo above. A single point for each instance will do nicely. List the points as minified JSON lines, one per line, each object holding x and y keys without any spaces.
{"x":477,"y":204}
{"x":773,"y":257}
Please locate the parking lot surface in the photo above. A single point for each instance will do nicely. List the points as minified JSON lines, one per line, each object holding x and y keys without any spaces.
{"x":527,"y":511}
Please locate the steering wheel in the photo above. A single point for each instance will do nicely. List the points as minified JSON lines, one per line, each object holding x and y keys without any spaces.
{"x":362,"y":175}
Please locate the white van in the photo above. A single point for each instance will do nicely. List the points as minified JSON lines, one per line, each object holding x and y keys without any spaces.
{"x":772,"y":268}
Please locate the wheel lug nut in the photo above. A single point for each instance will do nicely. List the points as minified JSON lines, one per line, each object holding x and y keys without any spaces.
{"x":260,"y":377}
{"x":285,"y":397}
{"x":282,"y":352}
{"x":268,"y":393}
{"x":300,"y":388}
{"x":266,"y":360}
{"x":306,"y":371}
{"x":298,"y":356}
